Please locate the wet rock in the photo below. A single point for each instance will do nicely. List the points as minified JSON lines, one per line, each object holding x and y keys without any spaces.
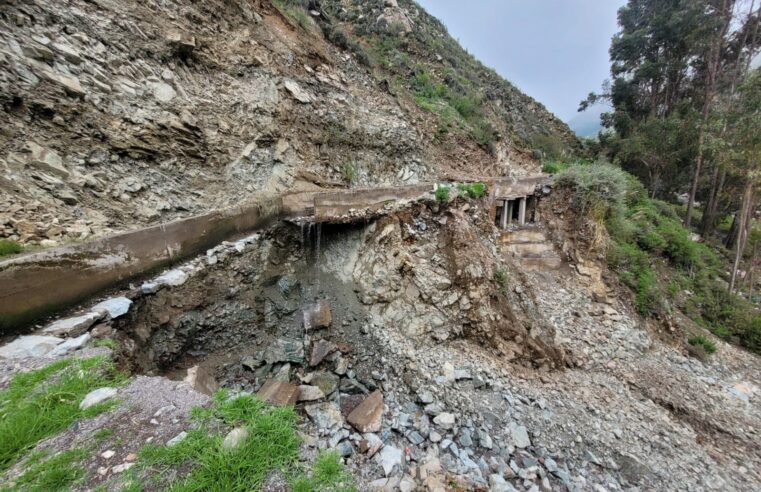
{"x":201,"y":380}
{"x":235,"y":439}
{"x":326,"y":381}
{"x":320,"y":350}
{"x":285,"y":350}
{"x":114,"y":307}
{"x":324,"y":415}
{"x":367,"y":417}
{"x":279,"y":393}
{"x":29,"y":346}
{"x":444,"y":420}
{"x":317,"y":315}
{"x":97,"y":396}
{"x":389,"y":458}
{"x":310,"y":393}
{"x":70,"y":345}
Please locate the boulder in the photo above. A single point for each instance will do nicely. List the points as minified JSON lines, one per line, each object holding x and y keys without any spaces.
{"x":445,"y":420}
{"x":368,"y":415}
{"x":317,"y":315}
{"x":70,"y":345}
{"x":310,"y":393}
{"x":320,"y":350}
{"x":114,"y":307}
{"x":279,"y":393}
{"x":327,"y":382}
{"x":389,"y":458}
{"x":324,"y":415}
{"x":46,"y":160}
{"x":201,"y":380}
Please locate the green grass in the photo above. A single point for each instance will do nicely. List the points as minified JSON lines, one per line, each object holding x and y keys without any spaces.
{"x":44,"y":473}
{"x":349,"y":172}
{"x":272,"y":445}
{"x":43,"y":402}
{"x":442,"y":194}
{"x":106,"y":342}
{"x":703,"y":341}
{"x":554,"y":167}
{"x":9,"y":247}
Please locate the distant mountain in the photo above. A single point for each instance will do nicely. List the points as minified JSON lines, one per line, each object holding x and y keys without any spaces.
{"x":587,"y":123}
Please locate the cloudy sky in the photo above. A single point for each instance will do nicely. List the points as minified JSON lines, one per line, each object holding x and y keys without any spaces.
{"x":554,"y":50}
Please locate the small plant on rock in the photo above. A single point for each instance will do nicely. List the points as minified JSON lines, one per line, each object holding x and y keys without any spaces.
{"x":349,"y":172}
{"x":442,"y":194}
{"x":472,"y":190}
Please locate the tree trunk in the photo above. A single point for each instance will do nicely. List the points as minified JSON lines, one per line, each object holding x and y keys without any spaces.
{"x":742,"y":233}
{"x":706,"y":225}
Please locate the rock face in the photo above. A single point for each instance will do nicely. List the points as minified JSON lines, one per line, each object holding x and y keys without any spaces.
{"x":279,"y":393}
{"x":367,"y":417}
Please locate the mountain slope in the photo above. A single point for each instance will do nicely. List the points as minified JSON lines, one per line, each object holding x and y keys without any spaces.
{"x":118,"y":114}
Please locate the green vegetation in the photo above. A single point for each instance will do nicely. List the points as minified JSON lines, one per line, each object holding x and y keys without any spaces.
{"x":328,"y":474}
{"x":106,"y":342}
{"x":442,"y":194}
{"x":349,"y":172}
{"x":43,"y":402}
{"x":653,"y":254}
{"x":553,"y":167}
{"x":9,"y":247}
{"x":703,"y":341}
{"x":296,"y":11}
{"x":272,"y":445}
{"x":44,"y":473}
{"x":472,"y":190}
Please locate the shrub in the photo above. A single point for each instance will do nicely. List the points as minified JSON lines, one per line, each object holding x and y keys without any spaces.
{"x":9,"y":247}
{"x":598,"y":187}
{"x":349,"y":172}
{"x":472,"y":190}
{"x":442,"y":194}
{"x":703,"y":341}
{"x":553,"y":167}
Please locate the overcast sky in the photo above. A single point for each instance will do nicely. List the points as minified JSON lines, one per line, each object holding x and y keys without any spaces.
{"x":554,"y":50}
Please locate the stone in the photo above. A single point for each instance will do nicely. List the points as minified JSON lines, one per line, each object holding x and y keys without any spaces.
{"x":114,"y":307}
{"x":310,"y":393}
{"x":38,"y":52}
{"x":415,"y":438}
{"x":390,"y":457}
{"x":68,"y":83}
{"x":172,"y":278}
{"x":182,"y":42}
{"x":345,"y":449}
{"x":326,"y":381}
{"x":149,"y":288}
{"x":283,"y":374}
{"x":445,"y":420}
{"x":70,"y":54}
{"x":122,"y":468}
{"x":317,"y":315}
{"x":320,"y":350}
{"x":163,"y":92}
{"x":497,"y":483}
{"x":201,"y":380}
{"x":285,"y":350}
{"x":368,"y":415}
{"x":324,"y":415}
{"x":519,"y":436}
{"x":177,"y":439}
{"x":29,"y":346}
{"x":70,"y":345}
{"x":97,"y":396}
{"x":235,"y":439}
{"x":434,"y":436}
{"x":73,"y":326}
{"x":279,"y":393}
{"x":47,"y":160}
{"x":425,"y":396}
{"x":107,"y":455}
{"x":297,"y":92}
{"x":407,"y":484}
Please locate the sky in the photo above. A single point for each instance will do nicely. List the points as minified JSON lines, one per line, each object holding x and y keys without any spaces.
{"x":556,"y":51}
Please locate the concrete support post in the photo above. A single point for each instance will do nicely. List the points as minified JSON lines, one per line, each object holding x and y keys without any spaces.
{"x":509,"y":211}
{"x":521,"y":210}
{"x":503,"y":218}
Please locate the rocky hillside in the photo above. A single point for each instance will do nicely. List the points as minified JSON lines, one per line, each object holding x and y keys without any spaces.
{"x":117,"y":114}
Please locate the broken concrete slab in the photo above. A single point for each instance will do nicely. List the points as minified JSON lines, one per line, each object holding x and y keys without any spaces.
{"x":279,"y":393}
{"x":320,"y":350}
{"x":317,"y":315}
{"x":368,"y":415}
{"x":114,"y":307}
{"x":75,"y":326}
{"x":29,"y":346}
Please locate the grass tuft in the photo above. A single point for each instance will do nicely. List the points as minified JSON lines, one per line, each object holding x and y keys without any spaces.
{"x":703,"y":341}
{"x":442,"y":194}
{"x":58,"y":472}
{"x":43,"y":402}
{"x":9,"y":247}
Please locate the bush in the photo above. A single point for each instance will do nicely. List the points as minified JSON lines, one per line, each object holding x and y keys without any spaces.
{"x":598,"y":187}
{"x":553,"y":167}
{"x":442,"y":194}
{"x":349,"y":172}
{"x":9,"y":247}
{"x":703,"y":341}
{"x":472,"y":190}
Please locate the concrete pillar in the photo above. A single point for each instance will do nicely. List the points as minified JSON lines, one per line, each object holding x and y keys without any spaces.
{"x":503,"y":217}
{"x":521,"y":210}
{"x":509,"y":211}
